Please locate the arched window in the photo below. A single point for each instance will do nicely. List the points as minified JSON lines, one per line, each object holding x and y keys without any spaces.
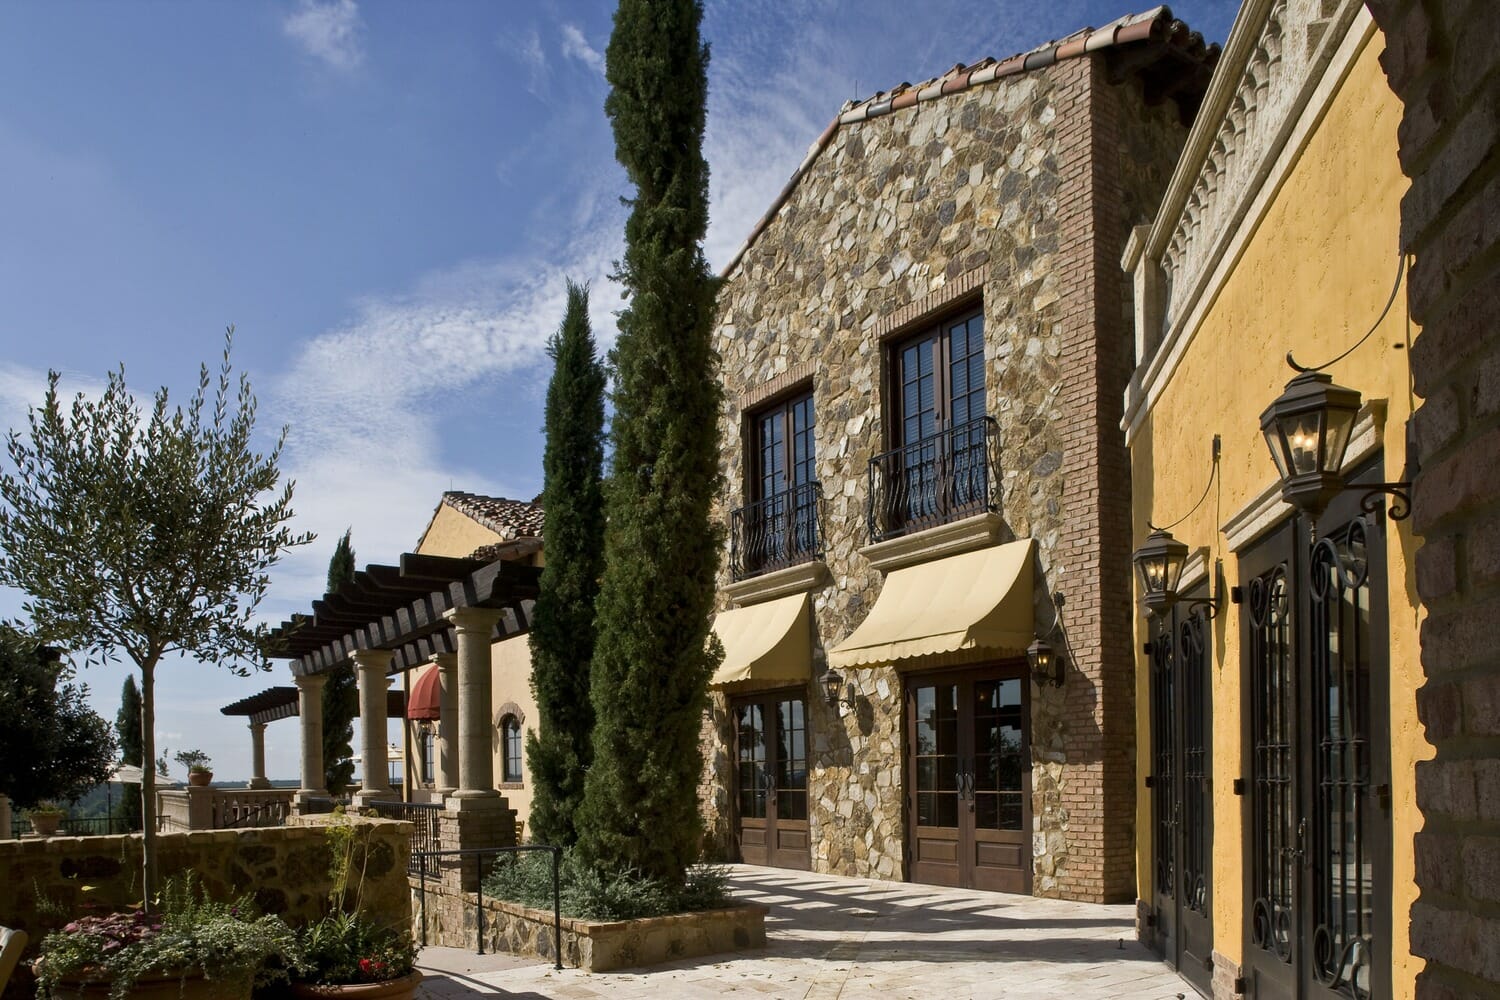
{"x":510,"y":754}
{"x":429,"y":755}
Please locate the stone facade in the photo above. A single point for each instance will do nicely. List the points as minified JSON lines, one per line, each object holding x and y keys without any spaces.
{"x":1442,"y":63}
{"x":1016,"y":194}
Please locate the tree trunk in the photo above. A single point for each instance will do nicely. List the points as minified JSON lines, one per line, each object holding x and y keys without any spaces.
{"x":148,"y":783}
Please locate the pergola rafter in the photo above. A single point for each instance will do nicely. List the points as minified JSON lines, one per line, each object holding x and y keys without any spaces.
{"x":402,"y":609}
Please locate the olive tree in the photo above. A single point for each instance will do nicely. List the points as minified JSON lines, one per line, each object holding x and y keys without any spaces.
{"x":146,"y":534}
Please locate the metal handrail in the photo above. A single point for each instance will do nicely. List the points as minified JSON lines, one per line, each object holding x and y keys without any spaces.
{"x":423,"y":816}
{"x":948,"y":475}
{"x":782,"y":530}
{"x":477,"y":853}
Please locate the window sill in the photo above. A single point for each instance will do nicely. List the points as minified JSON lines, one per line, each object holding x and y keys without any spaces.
{"x":975,"y":532}
{"x":779,"y":583}
{"x":511,"y":786}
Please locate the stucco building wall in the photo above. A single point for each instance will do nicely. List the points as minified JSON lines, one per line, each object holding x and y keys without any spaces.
{"x":1017,"y":194}
{"x":1307,"y":269}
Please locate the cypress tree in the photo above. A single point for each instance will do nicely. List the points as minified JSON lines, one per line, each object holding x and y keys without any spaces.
{"x":340,"y":694}
{"x":652,"y":659}
{"x":562,"y":631}
{"x":128,"y":726}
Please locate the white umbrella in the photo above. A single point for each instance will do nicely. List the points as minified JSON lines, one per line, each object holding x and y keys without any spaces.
{"x":127,"y":774}
{"x":393,"y":755}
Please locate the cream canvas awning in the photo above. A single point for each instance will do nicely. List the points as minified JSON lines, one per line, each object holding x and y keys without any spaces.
{"x":770,"y":641}
{"x":974,"y":601}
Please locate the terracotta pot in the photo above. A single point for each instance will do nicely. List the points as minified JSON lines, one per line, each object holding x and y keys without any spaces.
{"x":45,"y":824}
{"x":200,"y":778}
{"x":395,"y":989}
{"x":163,"y":986}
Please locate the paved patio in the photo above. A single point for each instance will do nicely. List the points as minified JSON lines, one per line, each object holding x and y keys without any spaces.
{"x":836,"y":937}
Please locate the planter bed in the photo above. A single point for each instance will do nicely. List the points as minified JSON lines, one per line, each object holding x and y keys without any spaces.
{"x":593,"y":946}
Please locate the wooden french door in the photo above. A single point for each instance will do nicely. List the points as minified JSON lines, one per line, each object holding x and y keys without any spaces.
{"x":968,"y":779}
{"x":1318,"y":851}
{"x":1181,"y":809}
{"x":771,"y":779}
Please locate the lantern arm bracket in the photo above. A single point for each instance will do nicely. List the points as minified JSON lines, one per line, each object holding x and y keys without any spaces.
{"x":1211,"y":606}
{"x":1399,"y":509}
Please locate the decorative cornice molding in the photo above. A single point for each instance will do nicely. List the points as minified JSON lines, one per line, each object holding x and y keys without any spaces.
{"x":782,"y":583}
{"x":934,"y":543}
{"x":1240,"y":150}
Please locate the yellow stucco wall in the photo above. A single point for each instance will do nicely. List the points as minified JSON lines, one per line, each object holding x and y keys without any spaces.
{"x":454,"y":534}
{"x":1312,"y":279}
{"x":511,"y":674}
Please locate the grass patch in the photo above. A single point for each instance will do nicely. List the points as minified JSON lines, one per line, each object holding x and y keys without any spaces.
{"x":588,"y":894}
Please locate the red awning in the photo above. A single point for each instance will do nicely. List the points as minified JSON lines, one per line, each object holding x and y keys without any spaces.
{"x":425,"y":699}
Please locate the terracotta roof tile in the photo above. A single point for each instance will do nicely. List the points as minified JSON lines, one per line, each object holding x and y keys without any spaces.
{"x":510,"y":519}
{"x":1156,"y":24}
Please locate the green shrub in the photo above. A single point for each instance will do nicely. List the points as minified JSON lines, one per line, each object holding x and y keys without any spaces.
{"x":189,"y":933}
{"x":589,"y":894}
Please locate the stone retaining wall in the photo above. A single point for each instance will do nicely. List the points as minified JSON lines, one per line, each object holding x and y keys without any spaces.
{"x":45,"y":882}
{"x":594,"y":946}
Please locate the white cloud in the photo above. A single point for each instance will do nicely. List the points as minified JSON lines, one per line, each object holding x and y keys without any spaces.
{"x":329,"y":32}
{"x":22,"y":388}
{"x":386,"y":410}
{"x":527,"y":48}
{"x":575,"y":46}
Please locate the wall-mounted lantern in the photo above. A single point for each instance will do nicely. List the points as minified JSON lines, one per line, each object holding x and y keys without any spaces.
{"x":1046,"y":665}
{"x":1158,"y":564}
{"x":1307,"y":429}
{"x":834,"y":689}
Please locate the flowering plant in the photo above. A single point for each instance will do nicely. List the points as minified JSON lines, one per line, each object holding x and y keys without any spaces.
{"x":191,"y":934}
{"x":344,"y":948}
{"x":347,"y":945}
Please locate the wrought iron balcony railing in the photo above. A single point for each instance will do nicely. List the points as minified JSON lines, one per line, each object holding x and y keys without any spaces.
{"x":780,"y":531}
{"x":950,"y":475}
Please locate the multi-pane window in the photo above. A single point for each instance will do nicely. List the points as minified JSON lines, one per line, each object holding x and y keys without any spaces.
{"x":510,"y":742}
{"x":938,"y":467}
{"x":429,"y":754}
{"x":778,"y":526}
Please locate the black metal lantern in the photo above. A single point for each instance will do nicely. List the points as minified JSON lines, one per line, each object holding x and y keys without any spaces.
{"x":833,"y":686}
{"x":1046,"y":666}
{"x":1307,"y":429}
{"x":1159,"y":564}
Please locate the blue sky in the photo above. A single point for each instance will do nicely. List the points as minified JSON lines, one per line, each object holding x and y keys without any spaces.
{"x":385,"y":199}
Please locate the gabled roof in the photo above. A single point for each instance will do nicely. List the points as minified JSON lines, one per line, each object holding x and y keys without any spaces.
{"x":510,"y":519}
{"x":1189,"y":61}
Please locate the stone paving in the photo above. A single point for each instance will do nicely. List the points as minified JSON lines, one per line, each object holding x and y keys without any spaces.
{"x":839,"y":938}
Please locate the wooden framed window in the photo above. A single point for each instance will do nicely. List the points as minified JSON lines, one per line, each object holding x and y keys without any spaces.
{"x":778,"y":525}
{"x":939,"y":466}
{"x":510,"y":755}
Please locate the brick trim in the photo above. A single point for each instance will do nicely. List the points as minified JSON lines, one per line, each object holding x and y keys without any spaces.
{"x":788,"y":380}
{"x":1091,"y":558}
{"x":510,"y":708}
{"x":967,"y":285}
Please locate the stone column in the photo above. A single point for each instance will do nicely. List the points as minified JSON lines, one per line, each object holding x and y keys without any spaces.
{"x":476,"y":815}
{"x":4,"y":817}
{"x":258,"y":777}
{"x":476,"y":762}
{"x":371,"y":666}
{"x":447,"y":776}
{"x":310,"y":711}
